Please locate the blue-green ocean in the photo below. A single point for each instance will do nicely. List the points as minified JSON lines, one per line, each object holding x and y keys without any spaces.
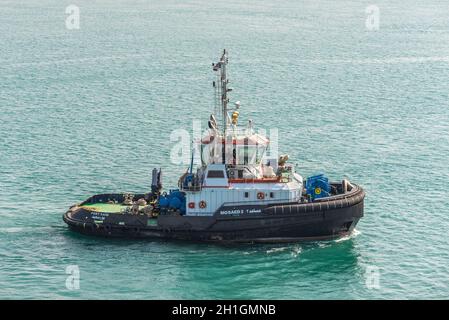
{"x":91,"y":110}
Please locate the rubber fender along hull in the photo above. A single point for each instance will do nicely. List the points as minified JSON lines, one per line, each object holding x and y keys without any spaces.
{"x":329,"y":218}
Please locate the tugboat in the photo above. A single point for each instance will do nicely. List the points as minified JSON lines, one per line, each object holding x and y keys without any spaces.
{"x":235,"y":195}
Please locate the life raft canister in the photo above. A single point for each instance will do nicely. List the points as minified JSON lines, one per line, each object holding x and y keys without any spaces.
{"x":260,"y":195}
{"x":202,"y":204}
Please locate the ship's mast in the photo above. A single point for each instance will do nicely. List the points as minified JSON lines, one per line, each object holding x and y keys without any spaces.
{"x":222,"y":90}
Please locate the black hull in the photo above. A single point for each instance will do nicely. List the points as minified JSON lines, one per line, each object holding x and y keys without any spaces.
{"x":309,"y":232}
{"x":321,"y":220}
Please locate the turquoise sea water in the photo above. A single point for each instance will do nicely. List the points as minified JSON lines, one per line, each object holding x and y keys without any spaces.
{"x":91,"y":110}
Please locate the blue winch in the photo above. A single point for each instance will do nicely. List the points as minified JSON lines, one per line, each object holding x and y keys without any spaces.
{"x":318,"y":186}
{"x":175,"y":199}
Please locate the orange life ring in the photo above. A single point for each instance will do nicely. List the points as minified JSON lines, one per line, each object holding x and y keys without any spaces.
{"x":260,"y":195}
{"x":202,"y":204}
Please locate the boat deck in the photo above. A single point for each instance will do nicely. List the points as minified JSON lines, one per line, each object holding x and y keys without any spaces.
{"x":107,"y":207}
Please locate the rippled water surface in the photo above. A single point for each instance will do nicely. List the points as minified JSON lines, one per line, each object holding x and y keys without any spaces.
{"x":91,"y":110}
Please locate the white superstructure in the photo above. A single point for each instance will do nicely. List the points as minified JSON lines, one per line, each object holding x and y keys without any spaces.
{"x":233,"y":173}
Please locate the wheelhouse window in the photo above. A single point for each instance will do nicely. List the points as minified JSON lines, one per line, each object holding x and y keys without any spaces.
{"x":250,"y":154}
{"x":215,"y":174}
